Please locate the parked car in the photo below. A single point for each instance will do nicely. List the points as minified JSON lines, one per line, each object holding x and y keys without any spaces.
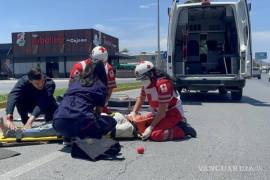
{"x":256,"y":72}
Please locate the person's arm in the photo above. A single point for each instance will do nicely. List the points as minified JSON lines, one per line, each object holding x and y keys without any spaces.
{"x":161,"y":113}
{"x":43,"y":101}
{"x":15,"y":94}
{"x":138,"y":104}
{"x":13,"y":97}
{"x":100,"y":98}
{"x":110,"y":90}
{"x":111,"y":81}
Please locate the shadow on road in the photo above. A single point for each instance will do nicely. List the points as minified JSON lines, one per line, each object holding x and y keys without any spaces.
{"x":107,"y":157}
{"x":199,"y":98}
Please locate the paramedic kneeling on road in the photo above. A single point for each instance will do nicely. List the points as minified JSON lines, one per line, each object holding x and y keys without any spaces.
{"x":168,"y":122}
{"x":33,"y":94}
{"x":78,"y":114}
{"x":99,"y":53}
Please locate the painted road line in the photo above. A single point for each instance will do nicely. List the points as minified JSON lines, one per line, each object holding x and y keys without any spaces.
{"x":30,"y":166}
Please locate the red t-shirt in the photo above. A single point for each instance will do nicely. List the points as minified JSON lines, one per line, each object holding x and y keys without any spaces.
{"x":110,"y":76}
{"x":79,"y":67}
{"x":160,"y":91}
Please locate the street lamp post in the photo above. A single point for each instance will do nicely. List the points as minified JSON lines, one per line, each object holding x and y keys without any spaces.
{"x":158,"y":39}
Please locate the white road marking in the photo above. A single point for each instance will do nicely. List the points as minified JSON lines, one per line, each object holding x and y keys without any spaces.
{"x":30,"y":166}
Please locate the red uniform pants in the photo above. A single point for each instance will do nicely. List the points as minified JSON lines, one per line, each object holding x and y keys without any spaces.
{"x":167,"y":128}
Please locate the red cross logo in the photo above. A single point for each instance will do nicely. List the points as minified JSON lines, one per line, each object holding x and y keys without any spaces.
{"x":163,"y":88}
{"x":102,"y":49}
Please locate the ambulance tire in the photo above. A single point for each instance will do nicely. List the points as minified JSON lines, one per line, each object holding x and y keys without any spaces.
{"x":237,"y":95}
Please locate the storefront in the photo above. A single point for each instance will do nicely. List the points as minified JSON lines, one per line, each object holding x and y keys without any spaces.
{"x":6,"y":69}
{"x":56,"y":51}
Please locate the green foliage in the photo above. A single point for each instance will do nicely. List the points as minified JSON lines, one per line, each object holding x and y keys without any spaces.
{"x":3,"y":98}
{"x":59,"y":92}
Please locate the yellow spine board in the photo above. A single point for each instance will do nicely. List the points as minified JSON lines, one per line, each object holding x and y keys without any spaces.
{"x":48,"y":138}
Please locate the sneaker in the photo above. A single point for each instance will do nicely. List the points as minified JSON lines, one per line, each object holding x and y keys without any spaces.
{"x":188,"y":130}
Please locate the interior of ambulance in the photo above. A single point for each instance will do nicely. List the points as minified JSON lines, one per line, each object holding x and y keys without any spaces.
{"x":206,"y":42}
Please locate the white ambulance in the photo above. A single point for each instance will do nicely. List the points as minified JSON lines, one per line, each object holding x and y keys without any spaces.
{"x":209,"y":45}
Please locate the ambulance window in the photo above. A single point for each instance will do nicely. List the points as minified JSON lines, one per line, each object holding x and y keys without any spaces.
{"x":245,"y":35}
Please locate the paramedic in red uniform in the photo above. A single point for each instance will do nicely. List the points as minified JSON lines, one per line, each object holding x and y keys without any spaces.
{"x":168,"y":122}
{"x":98,"y":53}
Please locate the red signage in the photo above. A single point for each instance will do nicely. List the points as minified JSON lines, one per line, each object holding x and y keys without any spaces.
{"x":47,"y":40}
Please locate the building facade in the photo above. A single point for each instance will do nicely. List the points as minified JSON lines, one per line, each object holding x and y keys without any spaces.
{"x":55,"y":52}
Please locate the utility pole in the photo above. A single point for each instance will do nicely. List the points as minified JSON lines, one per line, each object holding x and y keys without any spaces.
{"x":158,"y":39}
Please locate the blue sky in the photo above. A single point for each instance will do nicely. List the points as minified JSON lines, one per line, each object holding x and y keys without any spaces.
{"x":134,"y":22}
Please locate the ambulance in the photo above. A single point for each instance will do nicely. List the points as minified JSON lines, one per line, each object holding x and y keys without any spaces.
{"x":209,"y":46}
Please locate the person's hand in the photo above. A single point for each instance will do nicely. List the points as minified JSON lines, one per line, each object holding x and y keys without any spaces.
{"x":29,"y":123}
{"x":147,"y":132}
{"x":10,"y":125}
{"x":131,"y":116}
{"x":27,"y":126}
{"x":9,"y":122}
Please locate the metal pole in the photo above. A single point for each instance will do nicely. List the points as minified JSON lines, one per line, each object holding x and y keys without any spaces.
{"x":158,"y":55}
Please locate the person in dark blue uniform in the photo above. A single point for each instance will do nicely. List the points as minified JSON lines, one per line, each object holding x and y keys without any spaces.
{"x":79,"y":113}
{"x":33,"y":94}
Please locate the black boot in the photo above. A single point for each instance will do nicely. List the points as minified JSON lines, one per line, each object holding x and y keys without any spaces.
{"x":188,"y":130}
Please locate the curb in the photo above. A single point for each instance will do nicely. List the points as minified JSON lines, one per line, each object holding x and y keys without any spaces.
{"x":4,"y":103}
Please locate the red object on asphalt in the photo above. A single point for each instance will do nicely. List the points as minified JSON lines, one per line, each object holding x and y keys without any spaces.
{"x":140,"y":150}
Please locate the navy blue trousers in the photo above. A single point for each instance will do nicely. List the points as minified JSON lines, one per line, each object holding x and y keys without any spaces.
{"x":83,"y":128}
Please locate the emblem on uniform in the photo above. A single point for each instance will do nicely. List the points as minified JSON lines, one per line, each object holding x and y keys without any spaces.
{"x":163,"y":88}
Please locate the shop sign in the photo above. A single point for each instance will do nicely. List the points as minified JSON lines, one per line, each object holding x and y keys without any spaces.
{"x":47,"y":40}
{"x":76,"y":40}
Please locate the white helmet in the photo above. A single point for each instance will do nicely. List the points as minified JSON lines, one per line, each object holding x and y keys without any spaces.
{"x":100,"y":53}
{"x":142,"y":69}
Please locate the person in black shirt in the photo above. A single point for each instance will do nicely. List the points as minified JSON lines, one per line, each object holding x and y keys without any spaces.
{"x":33,"y":94}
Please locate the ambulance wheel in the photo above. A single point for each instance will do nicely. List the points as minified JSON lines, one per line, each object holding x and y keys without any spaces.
{"x":237,"y":95}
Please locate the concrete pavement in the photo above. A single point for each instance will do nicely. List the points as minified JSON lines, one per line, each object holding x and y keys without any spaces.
{"x":233,"y":143}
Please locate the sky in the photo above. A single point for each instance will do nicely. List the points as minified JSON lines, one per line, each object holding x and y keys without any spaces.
{"x":134,"y":22}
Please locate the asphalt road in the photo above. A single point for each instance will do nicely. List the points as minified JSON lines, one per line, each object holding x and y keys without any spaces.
{"x":233,"y":143}
{"x":7,"y":85}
